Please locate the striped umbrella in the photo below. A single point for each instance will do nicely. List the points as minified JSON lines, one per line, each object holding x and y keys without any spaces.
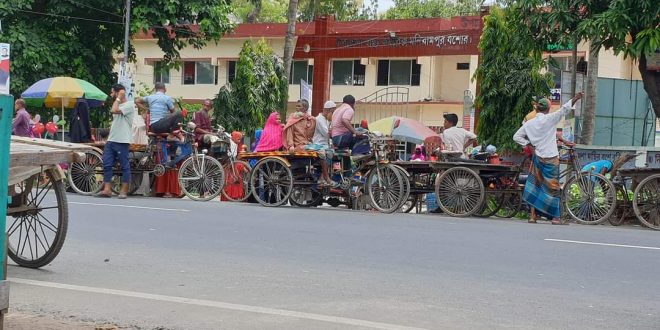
{"x":403,"y":129}
{"x":63,"y":92}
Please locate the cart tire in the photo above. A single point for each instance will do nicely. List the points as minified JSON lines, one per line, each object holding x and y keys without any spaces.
{"x":271,"y":182}
{"x":409,"y":204}
{"x":406,"y":187}
{"x":622,"y":204}
{"x":86,"y":178}
{"x":511,"y":205}
{"x":35,"y":235}
{"x":646,"y":202}
{"x":589,"y":198}
{"x":201,"y":177}
{"x":386,"y":187}
{"x":492,"y":204}
{"x":459,"y":191}
{"x":298,"y":197}
{"x":240,"y":171}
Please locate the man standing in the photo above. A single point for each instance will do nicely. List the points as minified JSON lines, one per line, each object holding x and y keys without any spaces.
{"x":21,"y":124}
{"x":542,"y":187}
{"x":203,"y":127}
{"x":321,"y":141}
{"x":343,"y":133}
{"x":455,"y":138}
{"x":116,"y":149}
{"x":162,"y":116}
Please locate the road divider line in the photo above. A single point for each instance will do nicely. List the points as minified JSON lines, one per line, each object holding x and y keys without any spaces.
{"x":218,"y":304}
{"x":603,"y":244}
{"x":131,"y":206}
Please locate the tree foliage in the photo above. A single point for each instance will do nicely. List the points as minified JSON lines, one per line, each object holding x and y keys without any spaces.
{"x":344,"y":10}
{"x":261,"y":11}
{"x":403,"y":9}
{"x":79,"y":38}
{"x":259,"y":88}
{"x":510,"y":75}
{"x":631,"y":28}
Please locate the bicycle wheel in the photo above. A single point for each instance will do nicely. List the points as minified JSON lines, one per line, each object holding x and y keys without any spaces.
{"x":201,"y":177}
{"x":37,"y":221}
{"x":386,"y":188}
{"x":459,"y":191}
{"x":646,"y":202}
{"x":86,"y":178}
{"x":589,"y":198}
{"x":237,"y":174}
{"x":133,"y":186}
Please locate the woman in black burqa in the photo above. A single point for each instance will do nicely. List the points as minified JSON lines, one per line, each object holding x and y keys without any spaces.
{"x":80,"y":130}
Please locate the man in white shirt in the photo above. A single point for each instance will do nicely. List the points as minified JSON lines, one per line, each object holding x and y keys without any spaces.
{"x":542,"y":187}
{"x":456,"y":138}
{"x":321,"y":140}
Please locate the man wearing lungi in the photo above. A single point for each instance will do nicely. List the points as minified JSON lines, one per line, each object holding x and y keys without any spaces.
{"x":542,"y":188}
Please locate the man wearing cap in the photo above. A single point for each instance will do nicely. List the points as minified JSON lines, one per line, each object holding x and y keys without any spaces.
{"x":321,"y":140}
{"x":456,"y":138}
{"x":542,"y":187}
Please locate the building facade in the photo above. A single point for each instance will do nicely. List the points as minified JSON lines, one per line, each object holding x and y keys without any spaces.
{"x":420,"y":68}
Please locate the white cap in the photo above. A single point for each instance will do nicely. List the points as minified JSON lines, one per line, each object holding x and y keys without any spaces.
{"x":329,"y":104}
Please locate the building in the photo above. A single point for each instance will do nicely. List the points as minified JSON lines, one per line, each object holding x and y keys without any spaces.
{"x":419,"y":68}
{"x":414,"y":68}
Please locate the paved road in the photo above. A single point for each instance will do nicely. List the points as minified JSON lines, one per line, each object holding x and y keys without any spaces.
{"x":179,"y":264}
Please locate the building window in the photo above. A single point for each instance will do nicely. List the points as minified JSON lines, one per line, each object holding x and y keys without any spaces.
{"x":161,"y":73}
{"x":348,"y":73}
{"x":300,"y":71}
{"x":310,"y":74}
{"x":462,"y":66}
{"x":398,"y":72}
{"x":231,"y":71}
{"x":199,"y":72}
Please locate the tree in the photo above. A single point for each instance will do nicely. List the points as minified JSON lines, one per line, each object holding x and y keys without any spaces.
{"x":80,"y":38}
{"x":290,"y":36}
{"x":557,"y":22}
{"x":343,"y":10}
{"x":260,"y":87}
{"x":403,"y":9}
{"x":631,"y":28}
{"x":510,"y":75}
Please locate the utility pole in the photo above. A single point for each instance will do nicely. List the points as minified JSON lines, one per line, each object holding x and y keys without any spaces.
{"x":127,"y":32}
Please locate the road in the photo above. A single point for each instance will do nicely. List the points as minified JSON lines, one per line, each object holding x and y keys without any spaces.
{"x":176,"y":264}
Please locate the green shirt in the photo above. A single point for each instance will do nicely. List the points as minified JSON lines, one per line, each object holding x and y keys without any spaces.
{"x":121,"y":130}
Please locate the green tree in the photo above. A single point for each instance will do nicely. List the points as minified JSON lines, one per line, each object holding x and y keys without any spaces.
{"x":631,"y":28}
{"x":510,"y":75}
{"x":260,"y":11}
{"x":557,"y":22}
{"x":343,"y":10}
{"x":259,"y":88}
{"x":404,"y":9}
{"x":80,"y":38}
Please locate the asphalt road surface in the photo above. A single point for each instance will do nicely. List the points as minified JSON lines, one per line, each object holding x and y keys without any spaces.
{"x":177,"y":264}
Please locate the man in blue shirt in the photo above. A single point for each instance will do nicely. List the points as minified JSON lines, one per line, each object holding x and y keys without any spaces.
{"x":600,"y":167}
{"x":162,"y":116}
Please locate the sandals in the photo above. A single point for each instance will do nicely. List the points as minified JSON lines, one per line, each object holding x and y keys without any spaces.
{"x":103,"y":195}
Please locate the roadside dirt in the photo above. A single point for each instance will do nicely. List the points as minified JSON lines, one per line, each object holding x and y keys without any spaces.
{"x":16,"y":320}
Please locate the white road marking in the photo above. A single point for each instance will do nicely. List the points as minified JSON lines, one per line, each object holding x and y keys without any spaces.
{"x":603,"y":244}
{"x":218,"y":304}
{"x":131,"y":207}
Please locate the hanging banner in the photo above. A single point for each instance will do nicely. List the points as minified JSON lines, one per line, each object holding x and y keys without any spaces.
{"x":4,"y":69}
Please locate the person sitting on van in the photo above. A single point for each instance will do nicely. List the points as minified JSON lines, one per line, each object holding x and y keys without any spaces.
{"x":299,"y":128}
{"x":342,"y":131}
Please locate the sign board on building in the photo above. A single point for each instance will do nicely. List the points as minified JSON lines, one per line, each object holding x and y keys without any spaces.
{"x":558,"y":47}
{"x":4,"y":69}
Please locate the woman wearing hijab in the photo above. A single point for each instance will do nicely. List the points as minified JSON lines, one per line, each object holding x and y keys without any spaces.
{"x":271,"y":136}
{"x":257,"y":137}
{"x":80,"y":130}
{"x":418,"y":155}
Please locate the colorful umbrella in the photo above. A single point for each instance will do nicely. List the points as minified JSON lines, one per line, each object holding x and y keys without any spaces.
{"x":62,"y":92}
{"x":404,"y":129}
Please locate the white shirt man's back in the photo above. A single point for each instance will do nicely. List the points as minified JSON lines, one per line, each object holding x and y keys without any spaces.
{"x":541,"y":132}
